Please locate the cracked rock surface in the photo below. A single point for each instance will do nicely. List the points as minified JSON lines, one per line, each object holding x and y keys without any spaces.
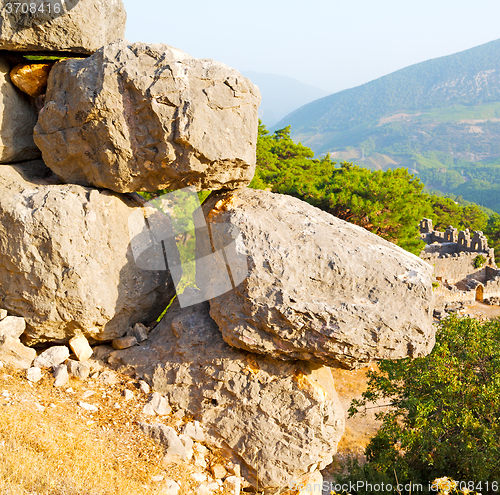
{"x":66,"y":264}
{"x":278,"y":419}
{"x":147,"y":117}
{"x":81,"y":26}
{"x":318,"y":288}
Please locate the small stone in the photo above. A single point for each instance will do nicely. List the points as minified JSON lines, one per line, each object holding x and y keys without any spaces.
{"x":207,"y":489}
{"x":200,"y":477}
{"x":88,"y":407}
{"x":3,"y":314}
{"x":233,"y":485}
{"x":12,"y":326}
{"x":200,"y":452}
{"x":15,"y":354}
{"x":108,"y":377}
{"x":167,"y":437}
{"x":61,"y":375}
{"x":78,"y":369}
{"x":158,"y":478}
{"x":188,"y":445}
{"x":195,"y":431}
{"x":124,"y":342}
{"x":179,"y":414}
{"x":311,"y":484}
{"x":128,"y":394}
{"x":234,"y":469}
{"x":52,"y":357}
{"x":218,"y":471}
{"x":157,"y":404}
{"x":18,"y":119}
{"x":170,"y":488}
{"x":140,"y":332}
{"x":34,"y":374}
{"x":87,"y":394}
{"x":144,"y":387}
{"x":186,"y":441}
{"x":31,"y":78}
{"x":81,"y":347}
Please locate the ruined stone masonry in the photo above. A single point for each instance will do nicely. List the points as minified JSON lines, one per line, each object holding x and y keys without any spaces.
{"x":453,"y":255}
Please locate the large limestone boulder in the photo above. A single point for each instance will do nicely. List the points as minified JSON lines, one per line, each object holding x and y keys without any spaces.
{"x":318,"y":288}
{"x":18,"y":118}
{"x":66,"y":264}
{"x":147,"y":117}
{"x":279,"y":420}
{"x":75,"y":26}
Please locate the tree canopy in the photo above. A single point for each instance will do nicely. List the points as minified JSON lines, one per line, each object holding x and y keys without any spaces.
{"x":388,"y":203}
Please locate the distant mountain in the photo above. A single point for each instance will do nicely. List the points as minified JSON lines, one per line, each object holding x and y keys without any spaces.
{"x":440,"y":119}
{"x":281,"y":95}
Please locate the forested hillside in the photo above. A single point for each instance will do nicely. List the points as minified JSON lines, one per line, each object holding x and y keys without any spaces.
{"x":440,"y":119}
{"x":389,"y":203}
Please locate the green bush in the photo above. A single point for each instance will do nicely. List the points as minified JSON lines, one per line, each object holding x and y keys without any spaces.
{"x":444,"y":417}
{"x":479,"y":261}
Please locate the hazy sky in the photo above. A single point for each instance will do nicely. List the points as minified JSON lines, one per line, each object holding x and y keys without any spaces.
{"x":331,"y":44}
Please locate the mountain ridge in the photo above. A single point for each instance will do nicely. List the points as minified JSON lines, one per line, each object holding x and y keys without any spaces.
{"x":440,"y":119}
{"x":383,"y":95}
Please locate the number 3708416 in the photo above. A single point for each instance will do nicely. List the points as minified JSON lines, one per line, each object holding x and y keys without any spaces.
{"x":33,"y":8}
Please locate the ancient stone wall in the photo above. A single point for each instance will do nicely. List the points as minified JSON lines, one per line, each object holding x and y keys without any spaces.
{"x":452,"y":254}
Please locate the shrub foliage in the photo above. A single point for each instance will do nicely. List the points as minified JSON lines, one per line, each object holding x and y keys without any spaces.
{"x":444,"y":414}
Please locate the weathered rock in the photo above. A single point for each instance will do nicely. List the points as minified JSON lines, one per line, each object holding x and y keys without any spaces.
{"x":34,"y":374}
{"x":31,"y":78}
{"x":12,"y":326}
{"x":88,"y":407}
{"x":234,"y":469}
{"x":81,"y":347}
{"x":18,"y":120}
{"x":108,"y":377}
{"x":147,"y":117}
{"x":78,"y":369}
{"x":171,"y":488}
{"x":52,"y":357}
{"x":128,"y":394}
{"x":248,"y":404}
{"x":78,"y":26}
{"x":60,"y":375}
{"x":166,"y":436}
{"x":144,"y":387}
{"x":140,"y":332}
{"x":195,"y":431}
{"x":312,"y":484}
{"x":318,"y":288}
{"x":200,"y":451}
{"x":124,"y":342}
{"x":207,"y":488}
{"x":232,"y":484}
{"x":218,"y":471}
{"x":188,"y":445}
{"x":157,"y":405}
{"x":15,"y":354}
{"x":68,"y":267}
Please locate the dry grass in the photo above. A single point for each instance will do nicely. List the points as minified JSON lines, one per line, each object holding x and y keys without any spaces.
{"x":51,"y":446}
